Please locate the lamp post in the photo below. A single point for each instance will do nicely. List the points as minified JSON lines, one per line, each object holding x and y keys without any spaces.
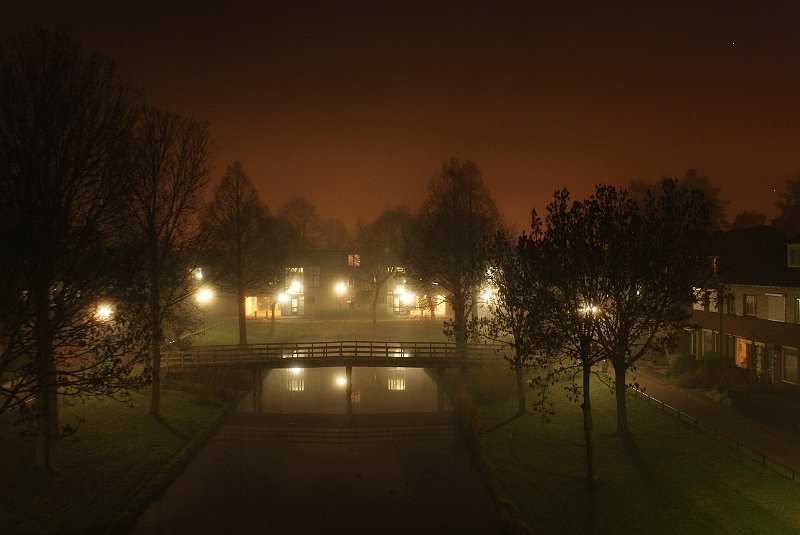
{"x":340,"y":290}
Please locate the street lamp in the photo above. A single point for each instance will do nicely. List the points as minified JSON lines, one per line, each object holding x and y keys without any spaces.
{"x":204,"y":295}
{"x":340,"y":290}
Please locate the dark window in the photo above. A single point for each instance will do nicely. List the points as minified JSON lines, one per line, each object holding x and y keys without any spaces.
{"x":750,"y":305}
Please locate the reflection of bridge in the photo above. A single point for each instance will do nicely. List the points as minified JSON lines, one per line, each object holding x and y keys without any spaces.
{"x":334,"y":354}
{"x":347,"y":354}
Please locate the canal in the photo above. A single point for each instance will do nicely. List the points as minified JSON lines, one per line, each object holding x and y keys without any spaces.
{"x":298,"y":463}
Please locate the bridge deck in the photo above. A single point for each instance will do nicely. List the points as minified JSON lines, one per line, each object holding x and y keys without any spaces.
{"x":339,"y":353}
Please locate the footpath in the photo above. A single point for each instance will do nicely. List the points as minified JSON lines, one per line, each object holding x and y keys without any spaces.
{"x":781,"y":447}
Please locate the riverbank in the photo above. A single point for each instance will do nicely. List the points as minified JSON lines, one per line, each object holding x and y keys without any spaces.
{"x":669,"y":478}
{"x":119,"y":459}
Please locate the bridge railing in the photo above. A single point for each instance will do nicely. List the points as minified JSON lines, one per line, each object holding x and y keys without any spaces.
{"x":477,"y":354}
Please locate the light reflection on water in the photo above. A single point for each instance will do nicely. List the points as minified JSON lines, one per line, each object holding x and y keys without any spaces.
{"x":323,"y":390}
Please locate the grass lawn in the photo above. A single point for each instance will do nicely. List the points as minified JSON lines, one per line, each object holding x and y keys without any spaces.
{"x":118,"y":459}
{"x":670,"y":479}
{"x":320,"y":330}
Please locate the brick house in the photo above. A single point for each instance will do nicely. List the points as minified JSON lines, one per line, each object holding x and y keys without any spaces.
{"x":752,"y":314}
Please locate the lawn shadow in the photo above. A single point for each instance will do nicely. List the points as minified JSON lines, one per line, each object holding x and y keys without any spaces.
{"x":505,"y":422}
{"x":166,"y":425}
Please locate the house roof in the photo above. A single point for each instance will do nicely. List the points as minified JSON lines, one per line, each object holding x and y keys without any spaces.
{"x":755,"y":255}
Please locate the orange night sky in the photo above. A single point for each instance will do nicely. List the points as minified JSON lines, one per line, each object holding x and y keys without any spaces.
{"x":355,"y":105}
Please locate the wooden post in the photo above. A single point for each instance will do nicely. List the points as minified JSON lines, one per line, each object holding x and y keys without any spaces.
{"x":258,"y":388}
{"x":440,"y":389}
{"x":349,"y":390}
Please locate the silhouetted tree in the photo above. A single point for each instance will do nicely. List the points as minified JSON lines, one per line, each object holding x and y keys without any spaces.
{"x":240,"y":232}
{"x":749,"y":219}
{"x":517,"y":301}
{"x":381,"y":242}
{"x":653,"y":256}
{"x":300,"y":217}
{"x":692,"y":181}
{"x":169,"y":173}
{"x":65,"y":123}
{"x":570,"y":252}
{"x":446,"y":241}
{"x":788,"y":204}
{"x":334,"y":234}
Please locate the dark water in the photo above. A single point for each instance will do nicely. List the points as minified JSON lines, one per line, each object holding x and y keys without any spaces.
{"x":324,"y":390}
{"x":302,"y":465}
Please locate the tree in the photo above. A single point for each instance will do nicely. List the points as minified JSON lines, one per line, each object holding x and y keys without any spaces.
{"x":749,"y":219}
{"x":570,"y":253}
{"x":239,"y":231}
{"x":692,"y":181}
{"x":446,"y":241}
{"x":334,"y":234}
{"x":169,"y":173}
{"x":517,"y":300}
{"x":381,"y":242}
{"x":788,"y":204}
{"x":65,"y":123}
{"x":300,"y":217}
{"x":652,"y":258}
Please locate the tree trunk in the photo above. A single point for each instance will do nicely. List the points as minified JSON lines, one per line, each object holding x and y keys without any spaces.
{"x":242,"y":317}
{"x":588,"y":427}
{"x":375,"y":306}
{"x":155,"y":345}
{"x":460,"y":322}
{"x":620,"y":387}
{"x":272,"y":317}
{"x":46,"y":410}
{"x":521,"y":406}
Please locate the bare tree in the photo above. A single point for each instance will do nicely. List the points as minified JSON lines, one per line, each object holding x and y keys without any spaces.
{"x":334,"y":234}
{"x":381,"y":242}
{"x":239,"y":232}
{"x":446,"y":241}
{"x":170,"y":171}
{"x":300,"y":217}
{"x":65,"y":122}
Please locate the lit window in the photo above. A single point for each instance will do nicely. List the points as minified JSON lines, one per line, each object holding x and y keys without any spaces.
{"x":750,"y":305}
{"x":699,"y":300}
{"x":354,"y":259}
{"x":711,"y":298}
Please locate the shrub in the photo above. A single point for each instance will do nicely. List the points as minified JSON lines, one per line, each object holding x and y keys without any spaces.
{"x":731,"y":377}
{"x":712,"y":362}
{"x":694,"y":379}
{"x":680,"y":364}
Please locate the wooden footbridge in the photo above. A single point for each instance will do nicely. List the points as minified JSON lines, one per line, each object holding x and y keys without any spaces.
{"x":335,"y":354}
{"x":348,"y":354}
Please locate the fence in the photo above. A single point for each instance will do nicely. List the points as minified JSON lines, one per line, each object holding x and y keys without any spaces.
{"x":778,"y":468}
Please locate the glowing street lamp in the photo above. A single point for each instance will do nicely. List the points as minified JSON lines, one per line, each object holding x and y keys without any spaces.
{"x":204,"y":295}
{"x":104,"y":312}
